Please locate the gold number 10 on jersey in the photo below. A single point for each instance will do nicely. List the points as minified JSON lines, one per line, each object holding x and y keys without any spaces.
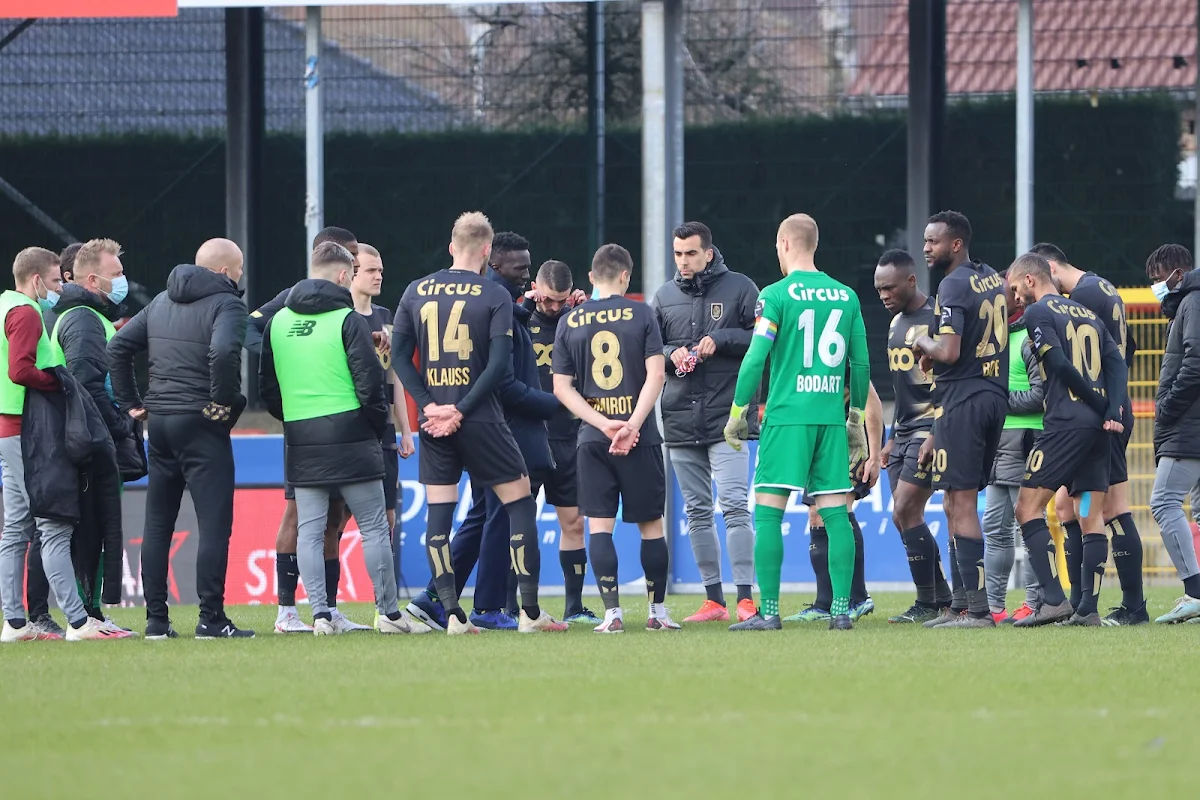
{"x":458,"y":335}
{"x":607,"y":371}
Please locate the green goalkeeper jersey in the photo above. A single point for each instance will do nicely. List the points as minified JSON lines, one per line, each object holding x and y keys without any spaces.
{"x":810,"y":324}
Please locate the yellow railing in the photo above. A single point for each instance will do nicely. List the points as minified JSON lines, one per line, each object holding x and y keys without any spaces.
{"x":1148,"y":328}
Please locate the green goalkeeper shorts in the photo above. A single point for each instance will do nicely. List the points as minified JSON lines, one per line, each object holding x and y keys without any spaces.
{"x":803,"y":457}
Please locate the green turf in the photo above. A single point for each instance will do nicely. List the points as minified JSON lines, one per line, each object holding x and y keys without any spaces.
{"x":883,"y":711}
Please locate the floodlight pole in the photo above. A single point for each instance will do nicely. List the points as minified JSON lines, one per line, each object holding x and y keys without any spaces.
{"x":314,"y":129}
{"x":1025,"y":140}
{"x":662,"y":162}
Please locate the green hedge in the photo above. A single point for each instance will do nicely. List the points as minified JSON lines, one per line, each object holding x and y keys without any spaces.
{"x":1105,"y":182}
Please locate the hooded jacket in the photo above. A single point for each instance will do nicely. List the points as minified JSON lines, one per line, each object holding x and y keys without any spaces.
{"x":84,"y":344}
{"x":718,"y":303}
{"x":1177,"y":404}
{"x":1015,"y":443}
{"x":526,"y":406}
{"x":193,"y":335}
{"x":336,"y":448}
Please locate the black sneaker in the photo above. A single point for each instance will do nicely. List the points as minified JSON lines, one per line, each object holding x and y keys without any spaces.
{"x":46,"y":624}
{"x":759,"y":623}
{"x":841,"y":623}
{"x":1081,"y":620}
{"x":1123,"y":616}
{"x":917,"y":613}
{"x":157,"y":629}
{"x":223,"y":629}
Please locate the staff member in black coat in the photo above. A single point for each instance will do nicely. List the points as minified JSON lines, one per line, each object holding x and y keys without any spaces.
{"x":708,"y":311}
{"x":193,"y":334}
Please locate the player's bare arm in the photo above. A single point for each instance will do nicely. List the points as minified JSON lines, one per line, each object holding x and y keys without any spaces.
{"x":868,"y":473}
{"x":944,"y":350}
{"x":656,"y":377}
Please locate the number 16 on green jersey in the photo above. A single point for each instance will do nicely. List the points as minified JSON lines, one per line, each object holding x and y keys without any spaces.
{"x":813,"y":323}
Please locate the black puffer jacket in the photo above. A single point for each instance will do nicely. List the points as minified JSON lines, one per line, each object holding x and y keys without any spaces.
{"x":1177,"y":405}
{"x":718,"y":303}
{"x":193,"y":333}
{"x":82,"y":338}
{"x":336,"y":448}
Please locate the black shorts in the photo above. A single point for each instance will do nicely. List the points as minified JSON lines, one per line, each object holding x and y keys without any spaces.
{"x":1118,"y":465}
{"x":391,"y":477}
{"x":966,"y":438}
{"x":902,"y":463}
{"x":487,"y":451}
{"x":636,"y":483}
{"x":1077,"y":458}
{"x":561,"y":491}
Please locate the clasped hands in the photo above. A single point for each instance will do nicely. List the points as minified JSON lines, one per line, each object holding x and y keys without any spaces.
{"x":441,"y":420}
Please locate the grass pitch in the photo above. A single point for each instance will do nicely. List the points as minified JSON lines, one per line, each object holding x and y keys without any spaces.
{"x":884,"y":711}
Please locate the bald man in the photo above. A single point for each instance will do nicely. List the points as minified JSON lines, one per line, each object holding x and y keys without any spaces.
{"x":193,"y":334}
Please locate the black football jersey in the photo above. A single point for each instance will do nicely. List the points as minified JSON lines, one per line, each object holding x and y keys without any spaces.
{"x":604,"y":345}
{"x":1058,"y":322}
{"x":971,"y":303}
{"x":1096,"y":293}
{"x":914,"y":398}
{"x":564,"y":424}
{"x":381,"y":322}
{"x":453,"y":316}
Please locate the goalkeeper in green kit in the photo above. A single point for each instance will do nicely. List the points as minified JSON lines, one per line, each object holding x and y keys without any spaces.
{"x":808,"y":324}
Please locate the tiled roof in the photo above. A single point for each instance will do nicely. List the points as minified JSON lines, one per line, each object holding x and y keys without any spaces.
{"x":87,"y":77}
{"x":1079,"y":45}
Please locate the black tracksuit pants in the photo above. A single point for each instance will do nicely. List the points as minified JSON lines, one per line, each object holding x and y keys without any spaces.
{"x":186,"y":450}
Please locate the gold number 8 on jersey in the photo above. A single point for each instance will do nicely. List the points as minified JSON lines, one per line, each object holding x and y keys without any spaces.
{"x":607,"y":371}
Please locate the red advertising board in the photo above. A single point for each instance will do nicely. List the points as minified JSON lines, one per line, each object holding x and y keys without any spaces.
{"x":250,"y":578}
{"x":87,"y":8}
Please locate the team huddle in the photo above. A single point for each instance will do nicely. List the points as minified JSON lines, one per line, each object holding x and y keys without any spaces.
{"x":997,"y":373}
{"x":1014,"y":383}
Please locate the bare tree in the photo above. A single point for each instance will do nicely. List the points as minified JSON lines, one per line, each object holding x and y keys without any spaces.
{"x":534,"y":68}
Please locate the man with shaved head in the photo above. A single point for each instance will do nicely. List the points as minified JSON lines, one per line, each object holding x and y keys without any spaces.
{"x":192,"y":334}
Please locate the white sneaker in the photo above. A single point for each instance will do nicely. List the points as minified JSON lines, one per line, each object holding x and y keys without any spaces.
{"x":456,"y":628}
{"x":343,"y":624}
{"x":323,"y":627}
{"x":415,"y":626}
{"x":543,"y":624}
{"x":400,"y":625}
{"x":614,"y":622}
{"x":94,"y":629}
{"x":288,"y":621}
{"x":660,"y":619}
{"x":111,"y":625}
{"x":25,"y":634}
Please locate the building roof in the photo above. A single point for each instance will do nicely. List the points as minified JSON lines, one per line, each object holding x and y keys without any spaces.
{"x":1079,"y":45}
{"x":104,"y":76}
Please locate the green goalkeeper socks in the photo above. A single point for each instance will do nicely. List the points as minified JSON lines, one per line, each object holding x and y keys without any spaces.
{"x":768,"y":555}
{"x":841,"y":556}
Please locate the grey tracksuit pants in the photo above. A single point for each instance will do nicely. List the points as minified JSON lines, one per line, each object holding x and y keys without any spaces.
{"x":19,"y":527}
{"x":366,"y":502}
{"x":1000,"y":535}
{"x":697,"y":467}
{"x":1174,"y":478}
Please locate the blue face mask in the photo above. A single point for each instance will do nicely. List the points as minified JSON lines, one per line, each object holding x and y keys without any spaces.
{"x":120,"y":289}
{"x":50,"y":300}
{"x":1161,"y":290}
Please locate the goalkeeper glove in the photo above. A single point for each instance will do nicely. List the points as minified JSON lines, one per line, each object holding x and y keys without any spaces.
{"x":736,"y":429}
{"x":856,"y":436}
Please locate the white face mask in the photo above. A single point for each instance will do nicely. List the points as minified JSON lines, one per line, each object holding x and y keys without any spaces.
{"x":1161,"y":290}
